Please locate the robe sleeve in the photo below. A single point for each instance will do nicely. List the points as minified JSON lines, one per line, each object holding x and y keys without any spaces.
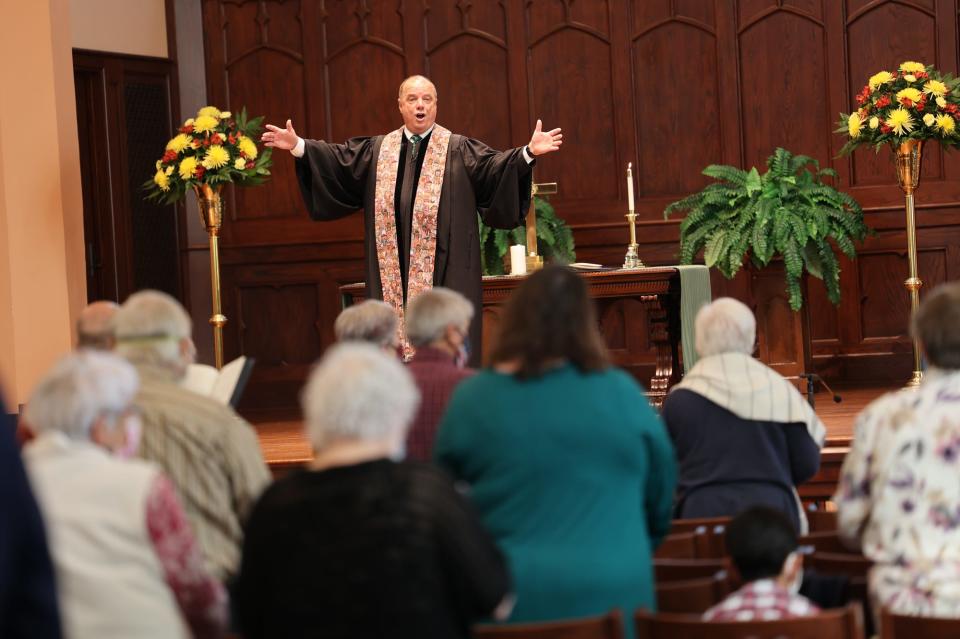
{"x":501,"y":182}
{"x":333,"y":177}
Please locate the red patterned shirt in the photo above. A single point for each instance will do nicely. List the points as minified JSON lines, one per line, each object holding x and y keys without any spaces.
{"x":761,"y":600}
{"x":201,"y":598}
{"x":436,"y":375}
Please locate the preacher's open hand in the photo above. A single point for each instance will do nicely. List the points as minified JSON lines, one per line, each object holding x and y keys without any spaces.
{"x":542,"y":141}
{"x":284,"y":139}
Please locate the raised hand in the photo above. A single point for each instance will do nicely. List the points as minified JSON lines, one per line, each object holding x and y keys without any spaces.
{"x":543,"y":141}
{"x":284,"y":139}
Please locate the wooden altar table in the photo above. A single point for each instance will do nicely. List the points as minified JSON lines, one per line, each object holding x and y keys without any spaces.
{"x":638,"y":310}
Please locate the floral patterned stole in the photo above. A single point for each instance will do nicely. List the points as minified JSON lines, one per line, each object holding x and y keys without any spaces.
{"x":423,"y":240}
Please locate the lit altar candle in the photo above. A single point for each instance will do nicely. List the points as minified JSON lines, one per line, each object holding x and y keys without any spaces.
{"x":630,"y":185}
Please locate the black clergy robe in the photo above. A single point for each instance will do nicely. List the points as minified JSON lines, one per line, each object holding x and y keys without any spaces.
{"x":338,"y":179}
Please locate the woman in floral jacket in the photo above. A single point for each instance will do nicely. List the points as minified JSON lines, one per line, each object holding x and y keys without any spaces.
{"x":899,"y":492}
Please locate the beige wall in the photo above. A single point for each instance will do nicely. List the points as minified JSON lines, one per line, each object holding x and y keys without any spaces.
{"x":120,"y":26}
{"x":42,"y":278}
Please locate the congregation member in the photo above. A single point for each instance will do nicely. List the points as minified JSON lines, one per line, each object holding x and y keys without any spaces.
{"x":762,"y":544}
{"x":899,"y":496}
{"x":371,"y":321}
{"x":94,"y":325}
{"x":359,"y":544}
{"x":570,"y":467}
{"x":28,"y":596}
{"x":438,"y":323}
{"x":744,"y":436}
{"x":127,"y":564}
{"x":209,"y":452}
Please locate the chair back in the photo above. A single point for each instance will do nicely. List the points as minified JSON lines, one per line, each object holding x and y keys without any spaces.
{"x":827,"y":541}
{"x":822,"y":520}
{"x":841,"y":623}
{"x":686,"y":569}
{"x":690,"y":525}
{"x":834,"y":563}
{"x":678,"y":546}
{"x":910,"y":627}
{"x":608,"y":626}
{"x":693,"y":595}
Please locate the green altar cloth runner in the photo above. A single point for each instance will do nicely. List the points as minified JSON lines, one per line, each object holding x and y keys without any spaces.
{"x":694,"y":293}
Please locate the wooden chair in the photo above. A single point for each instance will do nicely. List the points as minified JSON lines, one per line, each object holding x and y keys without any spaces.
{"x":694,"y":595}
{"x":822,"y":520}
{"x":609,"y":626}
{"x":826,"y":541}
{"x":710,"y":540}
{"x":678,"y":546}
{"x":686,"y":569}
{"x":893,"y":626}
{"x":842,"y":623}
{"x":834,"y":563}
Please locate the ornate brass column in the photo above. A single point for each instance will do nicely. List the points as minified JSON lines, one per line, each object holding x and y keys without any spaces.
{"x":211,"y":216}
{"x":908,"y":175}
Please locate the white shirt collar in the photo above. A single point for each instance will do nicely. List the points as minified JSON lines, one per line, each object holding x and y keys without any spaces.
{"x":407,"y":133}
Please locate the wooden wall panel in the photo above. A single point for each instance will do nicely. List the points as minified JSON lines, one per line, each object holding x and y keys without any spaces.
{"x":670,"y":85}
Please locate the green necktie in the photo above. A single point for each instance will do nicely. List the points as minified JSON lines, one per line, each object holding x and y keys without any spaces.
{"x":414,"y":145}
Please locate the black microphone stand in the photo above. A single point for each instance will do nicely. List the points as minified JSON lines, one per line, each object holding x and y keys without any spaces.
{"x":812,"y":380}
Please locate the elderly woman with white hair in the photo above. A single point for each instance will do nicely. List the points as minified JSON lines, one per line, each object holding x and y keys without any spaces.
{"x":371,"y":321}
{"x":126,"y":561}
{"x":744,"y":436}
{"x":359,"y":544}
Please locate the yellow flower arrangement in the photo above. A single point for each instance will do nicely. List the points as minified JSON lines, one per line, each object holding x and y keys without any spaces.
{"x":213,"y":148}
{"x":914,"y":102}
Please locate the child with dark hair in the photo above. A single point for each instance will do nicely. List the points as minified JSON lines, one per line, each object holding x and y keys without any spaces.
{"x":763,"y":545}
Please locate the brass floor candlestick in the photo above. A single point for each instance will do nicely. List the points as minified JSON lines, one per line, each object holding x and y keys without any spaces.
{"x":908,"y":175}
{"x":534,"y":260}
{"x":632,"y":259}
{"x":211,"y":216}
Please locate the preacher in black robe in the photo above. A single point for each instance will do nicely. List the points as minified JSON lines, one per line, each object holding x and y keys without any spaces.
{"x":338,"y":179}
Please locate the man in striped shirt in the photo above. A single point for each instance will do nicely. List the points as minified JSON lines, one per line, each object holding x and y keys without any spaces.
{"x":209,"y":452}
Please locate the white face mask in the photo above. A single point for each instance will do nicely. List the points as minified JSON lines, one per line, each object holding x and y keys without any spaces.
{"x":788,"y":565}
{"x":134,"y":428}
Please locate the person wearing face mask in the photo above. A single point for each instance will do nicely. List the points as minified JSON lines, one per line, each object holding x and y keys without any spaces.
{"x":360,"y":543}
{"x":126,"y":561}
{"x":763,"y":546}
{"x":437,"y":326}
{"x":421,"y":188}
{"x":209,"y":452}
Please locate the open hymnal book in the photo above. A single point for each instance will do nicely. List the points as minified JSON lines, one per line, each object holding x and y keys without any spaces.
{"x":225,"y":385}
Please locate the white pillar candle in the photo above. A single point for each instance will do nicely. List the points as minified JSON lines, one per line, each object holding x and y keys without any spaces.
{"x":518,"y":259}
{"x":630,"y":185}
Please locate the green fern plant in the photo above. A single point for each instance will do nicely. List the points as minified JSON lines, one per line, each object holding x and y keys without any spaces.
{"x":554,"y":239}
{"x":788,"y":211}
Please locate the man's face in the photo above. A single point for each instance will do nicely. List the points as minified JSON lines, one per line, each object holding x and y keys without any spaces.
{"x":418,"y":105}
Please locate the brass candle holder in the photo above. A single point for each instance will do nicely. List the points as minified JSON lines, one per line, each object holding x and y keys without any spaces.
{"x":632,"y":258}
{"x":908,"y":176}
{"x":211,"y":216}
{"x":534,"y":259}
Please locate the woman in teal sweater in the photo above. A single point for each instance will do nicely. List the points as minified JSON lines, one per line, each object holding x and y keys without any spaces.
{"x":571,"y":469}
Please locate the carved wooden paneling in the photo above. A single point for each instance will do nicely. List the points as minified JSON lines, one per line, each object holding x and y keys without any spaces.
{"x":671,"y":85}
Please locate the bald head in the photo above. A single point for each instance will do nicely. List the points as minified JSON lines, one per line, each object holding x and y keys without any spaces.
{"x":417,"y":101}
{"x":93,"y":325}
{"x":420,"y":81}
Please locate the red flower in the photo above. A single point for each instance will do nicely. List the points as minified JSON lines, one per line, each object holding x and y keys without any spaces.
{"x":199,"y":172}
{"x":169,"y":156}
{"x":907,"y":102}
{"x":249,"y":164}
{"x":922,"y":75}
{"x":232,"y":138}
{"x":922,"y":103}
{"x":186,"y":129}
{"x":884,"y":101}
{"x":885,"y":128}
{"x":216,"y":139}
